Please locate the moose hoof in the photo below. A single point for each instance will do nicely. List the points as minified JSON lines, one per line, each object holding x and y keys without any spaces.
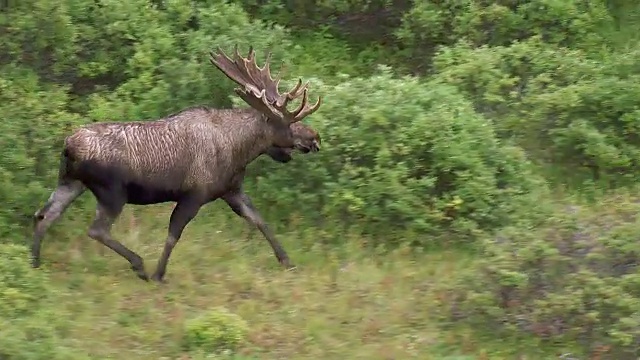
{"x":141,"y":273}
{"x":289,"y":267}
{"x":158,"y":279}
{"x":35,"y":263}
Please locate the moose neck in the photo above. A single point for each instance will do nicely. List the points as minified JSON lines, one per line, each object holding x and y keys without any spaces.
{"x":249,"y":135}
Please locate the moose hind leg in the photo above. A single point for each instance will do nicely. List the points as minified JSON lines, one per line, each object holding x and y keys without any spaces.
{"x":182,"y":214}
{"x":240,"y":203}
{"x":58,"y":202}
{"x":106,"y":214}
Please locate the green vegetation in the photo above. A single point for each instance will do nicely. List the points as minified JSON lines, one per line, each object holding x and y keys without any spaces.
{"x":475,"y":196}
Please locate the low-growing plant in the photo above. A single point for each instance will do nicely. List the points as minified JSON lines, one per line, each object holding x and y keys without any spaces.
{"x":217,"y":331}
{"x":574,"y":280}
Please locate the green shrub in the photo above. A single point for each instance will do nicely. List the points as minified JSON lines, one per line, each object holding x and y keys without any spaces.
{"x":563,"y":107}
{"x":401,"y":155}
{"x":573,"y":280}
{"x":170,"y":59}
{"x":216,"y":331}
{"x":429,"y":25}
{"x":30,"y":167}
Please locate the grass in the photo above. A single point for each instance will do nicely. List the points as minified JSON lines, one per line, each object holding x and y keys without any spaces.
{"x":343,"y":301}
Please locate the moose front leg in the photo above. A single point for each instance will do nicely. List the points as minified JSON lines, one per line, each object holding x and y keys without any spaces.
{"x":240,"y":203}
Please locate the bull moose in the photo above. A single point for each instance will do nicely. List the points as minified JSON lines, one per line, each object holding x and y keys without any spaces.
{"x":192,"y":157}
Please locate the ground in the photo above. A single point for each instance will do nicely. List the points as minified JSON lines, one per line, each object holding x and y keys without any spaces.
{"x":342,"y":302}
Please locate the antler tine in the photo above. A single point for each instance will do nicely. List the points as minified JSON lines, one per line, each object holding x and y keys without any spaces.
{"x":265,"y":68}
{"x":294,"y":91}
{"x":281,"y":68}
{"x":252,"y":55}
{"x":232,"y":69}
{"x":217,"y":54}
{"x":266,"y":82}
{"x":260,"y":89}
{"x":244,"y":61}
{"x":274,"y":81}
{"x":237,"y":58}
{"x":300,"y":90}
{"x":279,"y":76}
{"x":302,"y":105}
{"x":308,"y":110}
{"x":251,"y":61}
{"x":270,"y":83}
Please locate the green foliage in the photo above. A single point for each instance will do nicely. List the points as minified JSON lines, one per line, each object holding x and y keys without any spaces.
{"x":30,"y":31}
{"x":323,"y":55}
{"x":572,"y":281}
{"x":36,"y":126}
{"x":409,"y":155}
{"x":346,"y":18}
{"x":34,"y":339}
{"x":148,"y":53}
{"x":216,"y":331}
{"x":563,"y":107}
{"x":430,"y":25}
{"x":169,"y":59}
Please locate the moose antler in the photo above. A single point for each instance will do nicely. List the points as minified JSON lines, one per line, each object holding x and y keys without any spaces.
{"x":260,"y":90}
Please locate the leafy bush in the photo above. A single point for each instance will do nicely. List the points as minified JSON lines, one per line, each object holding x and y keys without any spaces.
{"x":564,"y":107}
{"x":404,"y":155}
{"x":574,"y":280}
{"x":217,"y":331}
{"x":169,"y":58}
{"x":34,"y":135}
{"x":429,"y":25}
